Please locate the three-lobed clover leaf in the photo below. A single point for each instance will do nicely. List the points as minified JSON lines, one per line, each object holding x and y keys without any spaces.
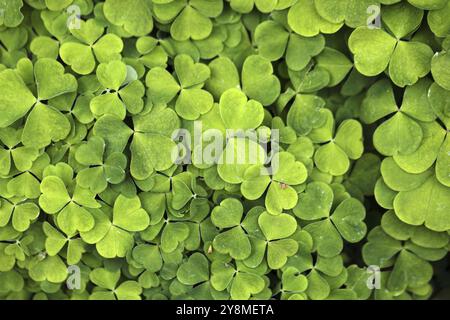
{"x":275,"y":40}
{"x":89,"y":45}
{"x":45,"y":123}
{"x":242,"y":282}
{"x":13,"y":155}
{"x":286,"y":174}
{"x":267,"y":202}
{"x":235,"y":240}
{"x":121,"y":94}
{"x":108,"y":287}
{"x":55,"y":242}
{"x":21,"y":213}
{"x":334,"y":155}
{"x":401,"y":134}
{"x":276,"y":229}
{"x":152,"y":147}
{"x":101,"y":171}
{"x":347,"y":220}
{"x":192,"y":101}
{"x":62,"y":196}
{"x":376,"y":49}
{"x":113,"y":231}
{"x":410,"y":266}
{"x":190,"y":19}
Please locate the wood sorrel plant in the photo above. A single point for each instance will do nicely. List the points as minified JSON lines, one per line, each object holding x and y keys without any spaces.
{"x":334,"y":184}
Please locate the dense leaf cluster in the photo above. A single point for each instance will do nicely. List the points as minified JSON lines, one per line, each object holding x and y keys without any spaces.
{"x":88,"y":106}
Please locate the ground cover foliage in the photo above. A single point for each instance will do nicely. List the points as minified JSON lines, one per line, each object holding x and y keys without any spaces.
{"x":93,"y":205}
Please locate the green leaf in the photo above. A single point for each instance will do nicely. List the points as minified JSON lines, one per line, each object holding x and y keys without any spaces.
{"x":315,"y":202}
{"x":306,"y":114}
{"x":51,"y":269}
{"x":304,"y":19}
{"x":191,"y":24}
{"x":279,"y":251}
{"x":44,"y":125}
{"x":327,"y":240}
{"x":234,"y":242}
{"x":115,"y":243}
{"x":54,"y":195}
{"x":428,"y":204}
{"x":12,"y":15}
{"x":129,"y":215}
{"x":399,"y":180}
{"x":51,"y":80}
{"x":238,"y":113}
{"x":190,"y":73}
{"x":372,"y":49}
{"x":402,"y":19}
{"x":331,"y":159}
{"x":336,"y":63}
{"x":238,"y":156}
{"x":353,"y":12}
{"x":439,"y":68}
{"x":437,"y":20}
{"x":288,"y":170}
{"x":277,"y":227}
{"x":258,"y":81}
{"x":195,"y":270}
{"x":192,"y":103}
{"x":379,"y":102}
{"x":272,"y":39}
{"x":410,"y":62}
{"x":442,"y":164}
{"x":228,"y":214}
{"x":280,"y":197}
{"x":91,"y":153}
{"x":105,"y":278}
{"x":318,"y":287}
{"x":148,"y":256}
{"x":78,"y":56}
{"x":349,"y":137}
{"x":245,"y":285}
{"x":73,"y":218}
{"x":398,"y":135}
{"x":222,"y":68}
{"x":162,"y":85}
{"x":15,"y":98}
{"x":134,"y":16}
{"x":150,"y":152}
{"x":173,"y":234}
{"x":348,"y":219}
